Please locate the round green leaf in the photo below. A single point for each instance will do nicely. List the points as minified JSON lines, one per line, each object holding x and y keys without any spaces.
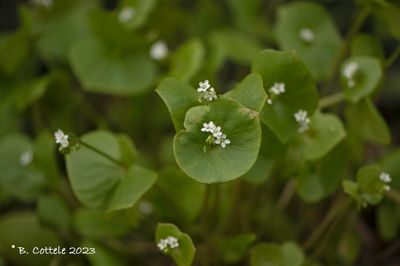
{"x":267,"y":255}
{"x":293,"y":254}
{"x":371,"y":187}
{"x":366,"y":78}
{"x":320,"y":52}
{"x":183,"y":254}
{"x":391,"y":164}
{"x":388,"y":221}
{"x":326,"y":131}
{"x":300,"y":91}
{"x":217,"y":164}
{"x":102,"y":70}
{"x":309,"y":188}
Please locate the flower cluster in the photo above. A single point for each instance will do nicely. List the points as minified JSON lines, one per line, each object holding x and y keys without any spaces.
{"x":307,"y":35}
{"x":26,"y":158}
{"x":302,"y":118}
{"x":349,"y":72}
{"x":61,"y":139}
{"x":169,"y":242}
{"x":275,"y":90}
{"x":159,"y":50}
{"x":206,"y":91}
{"x":217,"y":136}
{"x":385,"y":178}
{"x":126,"y":14}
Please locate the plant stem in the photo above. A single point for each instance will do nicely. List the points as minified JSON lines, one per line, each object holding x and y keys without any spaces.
{"x":394,"y":195}
{"x":287,"y":194}
{"x":331,"y":100}
{"x":392,"y":58}
{"x":338,"y":205}
{"x":105,"y":155}
{"x":361,"y":16}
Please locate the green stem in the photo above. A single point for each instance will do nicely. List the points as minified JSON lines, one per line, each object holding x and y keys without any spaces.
{"x":105,"y":155}
{"x":358,"y":22}
{"x":287,"y":194}
{"x":392,"y":58}
{"x":331,"y":100}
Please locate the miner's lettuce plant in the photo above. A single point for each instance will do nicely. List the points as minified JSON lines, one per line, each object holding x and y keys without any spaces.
{"x":204,"y":133}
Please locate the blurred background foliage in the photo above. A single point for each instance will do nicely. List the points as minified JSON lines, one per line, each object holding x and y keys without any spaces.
{"x":84,"y":65}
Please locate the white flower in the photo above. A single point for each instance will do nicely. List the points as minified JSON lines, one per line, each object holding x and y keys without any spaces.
{"x":126,"y":14}
{"x":349,"y":71}
{"x":223,"y":141}
{"x":26,"y":158}
{"x":277,"y":88}
{"x":208,"y":127}
{"x":169,"y":242}
{"x":61,"y":138}
{"x":269,"y":100}
{"x":307,"y":35}
{"x":206,"y":91}
{"x":44,"y":3}
{"x":385,"y":177}
{"x":302,"y":118}
{"x":386,"y":187}
{"x":159,"y":50}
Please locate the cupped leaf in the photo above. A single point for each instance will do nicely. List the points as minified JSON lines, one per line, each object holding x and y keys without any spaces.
{"x":183,"y":254}
{"x":250,"y":92}
{"x":366,"y":121}
{"x":103,"y":71}
{"x":307,"y":28}
{"x":179,"y":98}
{"x":371,"y":186}
{"x":365,"y":80}
{"x":367,"y":45}
{"x":187,"y":60}
{"x":326,"y":131}
{"x":101,"y":183}
{"x":210,"y":164}
{"x":300,"y":91}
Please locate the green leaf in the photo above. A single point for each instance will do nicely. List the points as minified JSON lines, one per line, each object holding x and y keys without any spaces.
{"x":96,"y":224}
{"x":233,"y":249}
{"x":326,"y":131}
{"x":371,"y":187}
{"x":293,"y":254}
{"x":183,"y":254}
{"x":44,"y":150}
{"x":390,"y":13}
{"x":391,"y":164}
{"x":319,"y":54}
{"x":250,"y":92}
{"x":388,"y":221}
{"x":22,"y":181}
{"x":22,"y":229}
{"x":365,"y":119}
{"x":53,"y":211}
{"x":102,"y":70}
{"x":187,"y":60}
{"x":186,"y":193}
{"x":14,"y":51}
{"x":142,"y":9}
{"x":300,"y":91}
{"x":210,"y":164}
{"x":267,"y":255}
{"x":367,"y":45}
{"x":352,"y":188}
{"x":349,"y":246}
{"x":103,"y":256}
{"x":100,"y":183}
{"x":366,"y":78}
{"x":179,"y":98}
{"x":309,"y":187}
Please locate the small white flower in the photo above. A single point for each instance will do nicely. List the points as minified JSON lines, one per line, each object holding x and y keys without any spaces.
{"x":208,"y":127}
{"x":386,"y":187}
{"x":385,"y":177}
{"x":210,"y":95}
{"x":302,"y":118}
{"x":169,"y":242}
{"x":307,"y":35}
{"x":349,"y":72}
{"x":126,"y":14}
{"x":159,"y":50}
{"x":206,"y":91}
{"x":269,"y":101}
{"x":277,"y":88}
{"x":203,"y":86}
{"x":61,"y":138}
{"x":26,"y":158}
{"x":223,"y":141}
{"x":44,"y":3}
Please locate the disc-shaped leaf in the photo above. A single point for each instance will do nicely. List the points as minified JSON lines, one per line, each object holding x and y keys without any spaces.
{"x":300,"y":91}
{"x":179,"y":98}
{"x":307,"y":28}
{"x":183,"y":254}
{"x":103,"y":71}
{"x":365,"y":80}
{"x":100,"y":183}
{"x":210,"y":164}
{"x":365,"y":119}
{"x":250,"y":92}
{"x":370,"y":185}
{"x":326,"y":131}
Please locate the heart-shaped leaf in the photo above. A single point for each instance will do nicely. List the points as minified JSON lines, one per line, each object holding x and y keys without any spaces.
{"x":183,"y":254}
{"x":210,"y":164}
{"x":300,"y":91}
{"x":307,"y":28}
